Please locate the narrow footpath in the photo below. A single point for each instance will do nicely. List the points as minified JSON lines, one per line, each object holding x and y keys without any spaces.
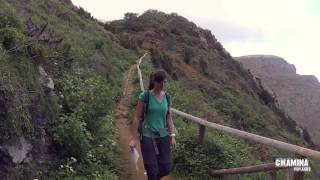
{"x":123,"y":124}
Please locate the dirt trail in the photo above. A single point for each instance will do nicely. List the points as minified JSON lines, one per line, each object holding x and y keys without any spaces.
{"x":123,"y":125}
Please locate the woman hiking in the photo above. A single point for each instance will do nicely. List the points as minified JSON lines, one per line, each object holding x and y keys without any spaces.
{"x":156,"y":128}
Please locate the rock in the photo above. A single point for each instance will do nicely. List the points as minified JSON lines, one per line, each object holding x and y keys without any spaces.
{"x":50,"y":84}
{"x":19,"y":152}
{"x":42,"y":72}
{"x":45,"y":79}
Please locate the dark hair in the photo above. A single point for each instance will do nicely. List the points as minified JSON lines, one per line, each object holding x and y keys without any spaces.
{"x":158,"y":76}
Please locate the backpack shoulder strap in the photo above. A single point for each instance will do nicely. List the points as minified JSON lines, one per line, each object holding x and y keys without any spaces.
{"x":144,"y":110}
{"x":169,"y":102}
{"x":146,"y":101}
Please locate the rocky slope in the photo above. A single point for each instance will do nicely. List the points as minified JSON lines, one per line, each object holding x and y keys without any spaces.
{"x":298,"y":95}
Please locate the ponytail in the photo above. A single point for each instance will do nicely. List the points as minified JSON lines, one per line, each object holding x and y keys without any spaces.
{"x":151,"y":83}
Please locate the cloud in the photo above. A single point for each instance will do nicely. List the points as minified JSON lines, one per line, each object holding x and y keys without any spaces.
{"x":227,"y":32}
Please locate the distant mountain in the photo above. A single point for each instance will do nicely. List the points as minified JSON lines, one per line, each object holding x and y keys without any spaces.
{"x":298,"y":95}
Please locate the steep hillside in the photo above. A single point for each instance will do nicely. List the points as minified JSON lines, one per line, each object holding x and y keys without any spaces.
{"x":60,"y":76}
{"x":189,"y":53}
{"x":207,"y":82}
{"x":298,"y":95}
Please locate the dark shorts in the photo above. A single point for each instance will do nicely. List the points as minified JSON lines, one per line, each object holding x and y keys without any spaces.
{"x":159,"y":165}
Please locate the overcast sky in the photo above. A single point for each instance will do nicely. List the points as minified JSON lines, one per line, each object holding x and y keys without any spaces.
{"x":285,"y":28}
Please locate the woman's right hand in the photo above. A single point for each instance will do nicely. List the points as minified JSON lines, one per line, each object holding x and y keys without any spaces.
{"x":132,"y":144}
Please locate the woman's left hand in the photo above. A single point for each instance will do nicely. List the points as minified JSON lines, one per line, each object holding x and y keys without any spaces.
{"x":173,"y":143}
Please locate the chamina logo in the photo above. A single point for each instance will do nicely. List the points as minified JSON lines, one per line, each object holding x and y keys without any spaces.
{"x":297,"y":164}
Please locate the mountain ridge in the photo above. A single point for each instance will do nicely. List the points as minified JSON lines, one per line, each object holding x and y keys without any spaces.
{"x":297,"y":94}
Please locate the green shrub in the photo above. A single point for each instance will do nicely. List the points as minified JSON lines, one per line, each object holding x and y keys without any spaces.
{"x":84,"y":13}
{"x":93,"y":91}
{"x":8,"y":19}
{"x":195,"y":160}
{"x":131,"y":22}
{"x":87,"y":100}
{"x":106,"y":151}
{"x":15,"y":116}
{"x":72,"y":137}
{"x":12,"y":39}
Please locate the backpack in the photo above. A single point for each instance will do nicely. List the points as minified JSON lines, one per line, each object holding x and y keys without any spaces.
{"x":146,"y":107}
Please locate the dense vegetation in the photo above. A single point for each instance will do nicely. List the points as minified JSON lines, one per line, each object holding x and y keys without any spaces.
{"x":70,"y":127}
{"x":60,"y":77}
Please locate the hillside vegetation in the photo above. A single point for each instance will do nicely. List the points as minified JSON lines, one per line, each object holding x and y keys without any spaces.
{"x":60,"y":77}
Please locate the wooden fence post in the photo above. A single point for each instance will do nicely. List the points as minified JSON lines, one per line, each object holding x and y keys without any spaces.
{"x":202,"y":133}
{"x":298,"y":175}
{"x":273,"y":175}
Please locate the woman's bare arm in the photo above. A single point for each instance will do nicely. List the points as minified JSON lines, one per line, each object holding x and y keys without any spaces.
{"x":170,"y":124}
{"x":171,"y":130}
{"x":137,"y":119}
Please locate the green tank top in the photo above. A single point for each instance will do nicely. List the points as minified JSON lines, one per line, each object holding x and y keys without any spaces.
{"x":156,"y":118}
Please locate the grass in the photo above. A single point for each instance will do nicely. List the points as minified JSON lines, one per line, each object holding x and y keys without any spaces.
{"x":77,"y":115}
